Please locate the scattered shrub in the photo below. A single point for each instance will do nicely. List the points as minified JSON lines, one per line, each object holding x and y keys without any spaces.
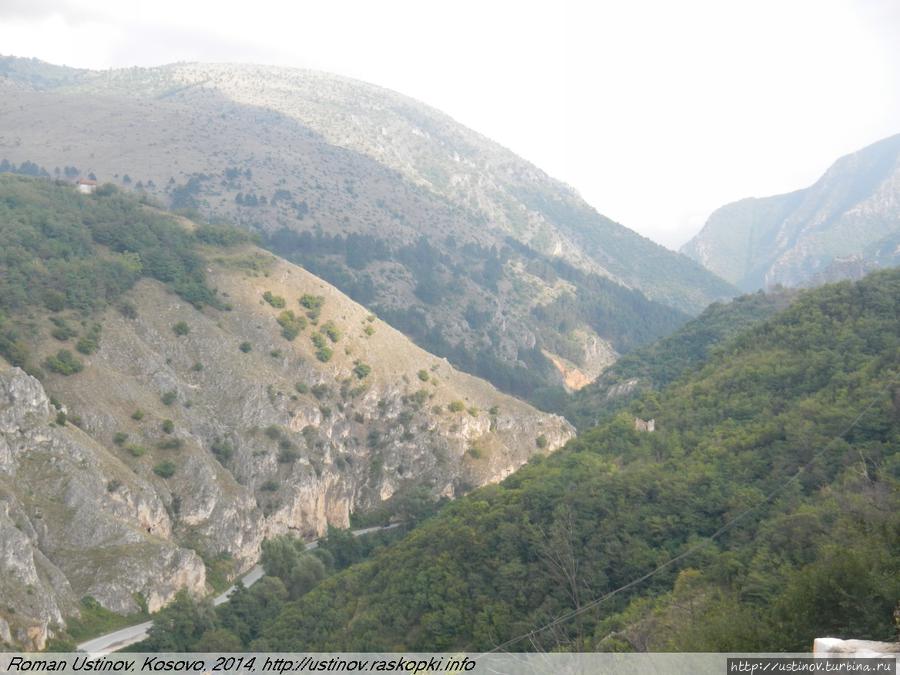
{"x":332,"y":331}
{"x":222,"y":449}
{"x":423,"y":375}
{"x":456,"y":406}
{"x":61,"y":418}
{"x":181,"y":328}
{"x":165,"y":469}
{"x":541,"y":441}
{"x":313,"y":305}
{"x":136,"y":450}
{"x":119,"y":438}
{"x":269,"y":486}
{"x":291,"y":324}
{"x":323,"y":351}
{"x":362,"y":370}
{"x":90,"y":343}
{"x":168,"y":426}
{"x":169,"y":397}
{"x":62,"y":331}
{"x":137,"y":415}
{"x":64,"y":363}
{"x":245,"y":347}
{"x":275,"y":300}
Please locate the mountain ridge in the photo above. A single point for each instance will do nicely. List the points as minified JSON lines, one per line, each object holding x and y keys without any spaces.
{"x":280,"y":150}
{"x":833,"y":229}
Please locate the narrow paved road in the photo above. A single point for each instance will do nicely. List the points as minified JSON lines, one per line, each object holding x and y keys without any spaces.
{"x":119,"y":639}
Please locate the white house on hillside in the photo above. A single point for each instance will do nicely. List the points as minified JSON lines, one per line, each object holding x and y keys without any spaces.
{"x":86,"y":186}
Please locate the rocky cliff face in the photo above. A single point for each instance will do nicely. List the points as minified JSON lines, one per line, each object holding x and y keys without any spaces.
{"x":843,"y":226}
{"x":74,"y":522}
{"x":195,"y":445}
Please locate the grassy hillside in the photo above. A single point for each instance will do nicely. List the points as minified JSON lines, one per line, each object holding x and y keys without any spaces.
{"x":792,"y":429}
{"x":201,"y":394}
{"x":474,"y":253}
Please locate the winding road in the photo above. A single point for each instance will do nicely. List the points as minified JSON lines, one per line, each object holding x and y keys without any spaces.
{"x":119,"y":639}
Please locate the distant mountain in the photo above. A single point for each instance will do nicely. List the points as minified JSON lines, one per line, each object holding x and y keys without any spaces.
{"x":844,"y":225}
{"x":476,"y":254}
{"x":171,"y":395}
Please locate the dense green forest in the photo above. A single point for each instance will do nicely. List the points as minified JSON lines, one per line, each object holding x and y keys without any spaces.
{"x":787,"y":437}
{"x":61,"y":251}
{"x":658,"y":364}
{"x":292,"y":570}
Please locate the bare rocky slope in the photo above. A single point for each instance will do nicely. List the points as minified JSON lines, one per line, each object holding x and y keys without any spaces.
{"x":843,"y":226}
{"x":192,"y":434}
{"x":462,"y":245}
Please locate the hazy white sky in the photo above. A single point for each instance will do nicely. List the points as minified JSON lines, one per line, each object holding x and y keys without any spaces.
{"x":656,"y":111}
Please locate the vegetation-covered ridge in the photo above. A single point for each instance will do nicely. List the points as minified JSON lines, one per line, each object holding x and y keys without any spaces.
{"x":657,"y":365}
{"x":822,"y":557}
{"x":61,"y":251}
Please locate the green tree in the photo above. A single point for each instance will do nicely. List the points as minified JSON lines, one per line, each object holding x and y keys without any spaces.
{"x":180,"y":625}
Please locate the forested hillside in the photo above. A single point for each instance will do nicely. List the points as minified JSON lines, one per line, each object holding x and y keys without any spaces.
{"x":782,"y":448}
{"x":656,"y":365}
{"x":61,"y":252}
